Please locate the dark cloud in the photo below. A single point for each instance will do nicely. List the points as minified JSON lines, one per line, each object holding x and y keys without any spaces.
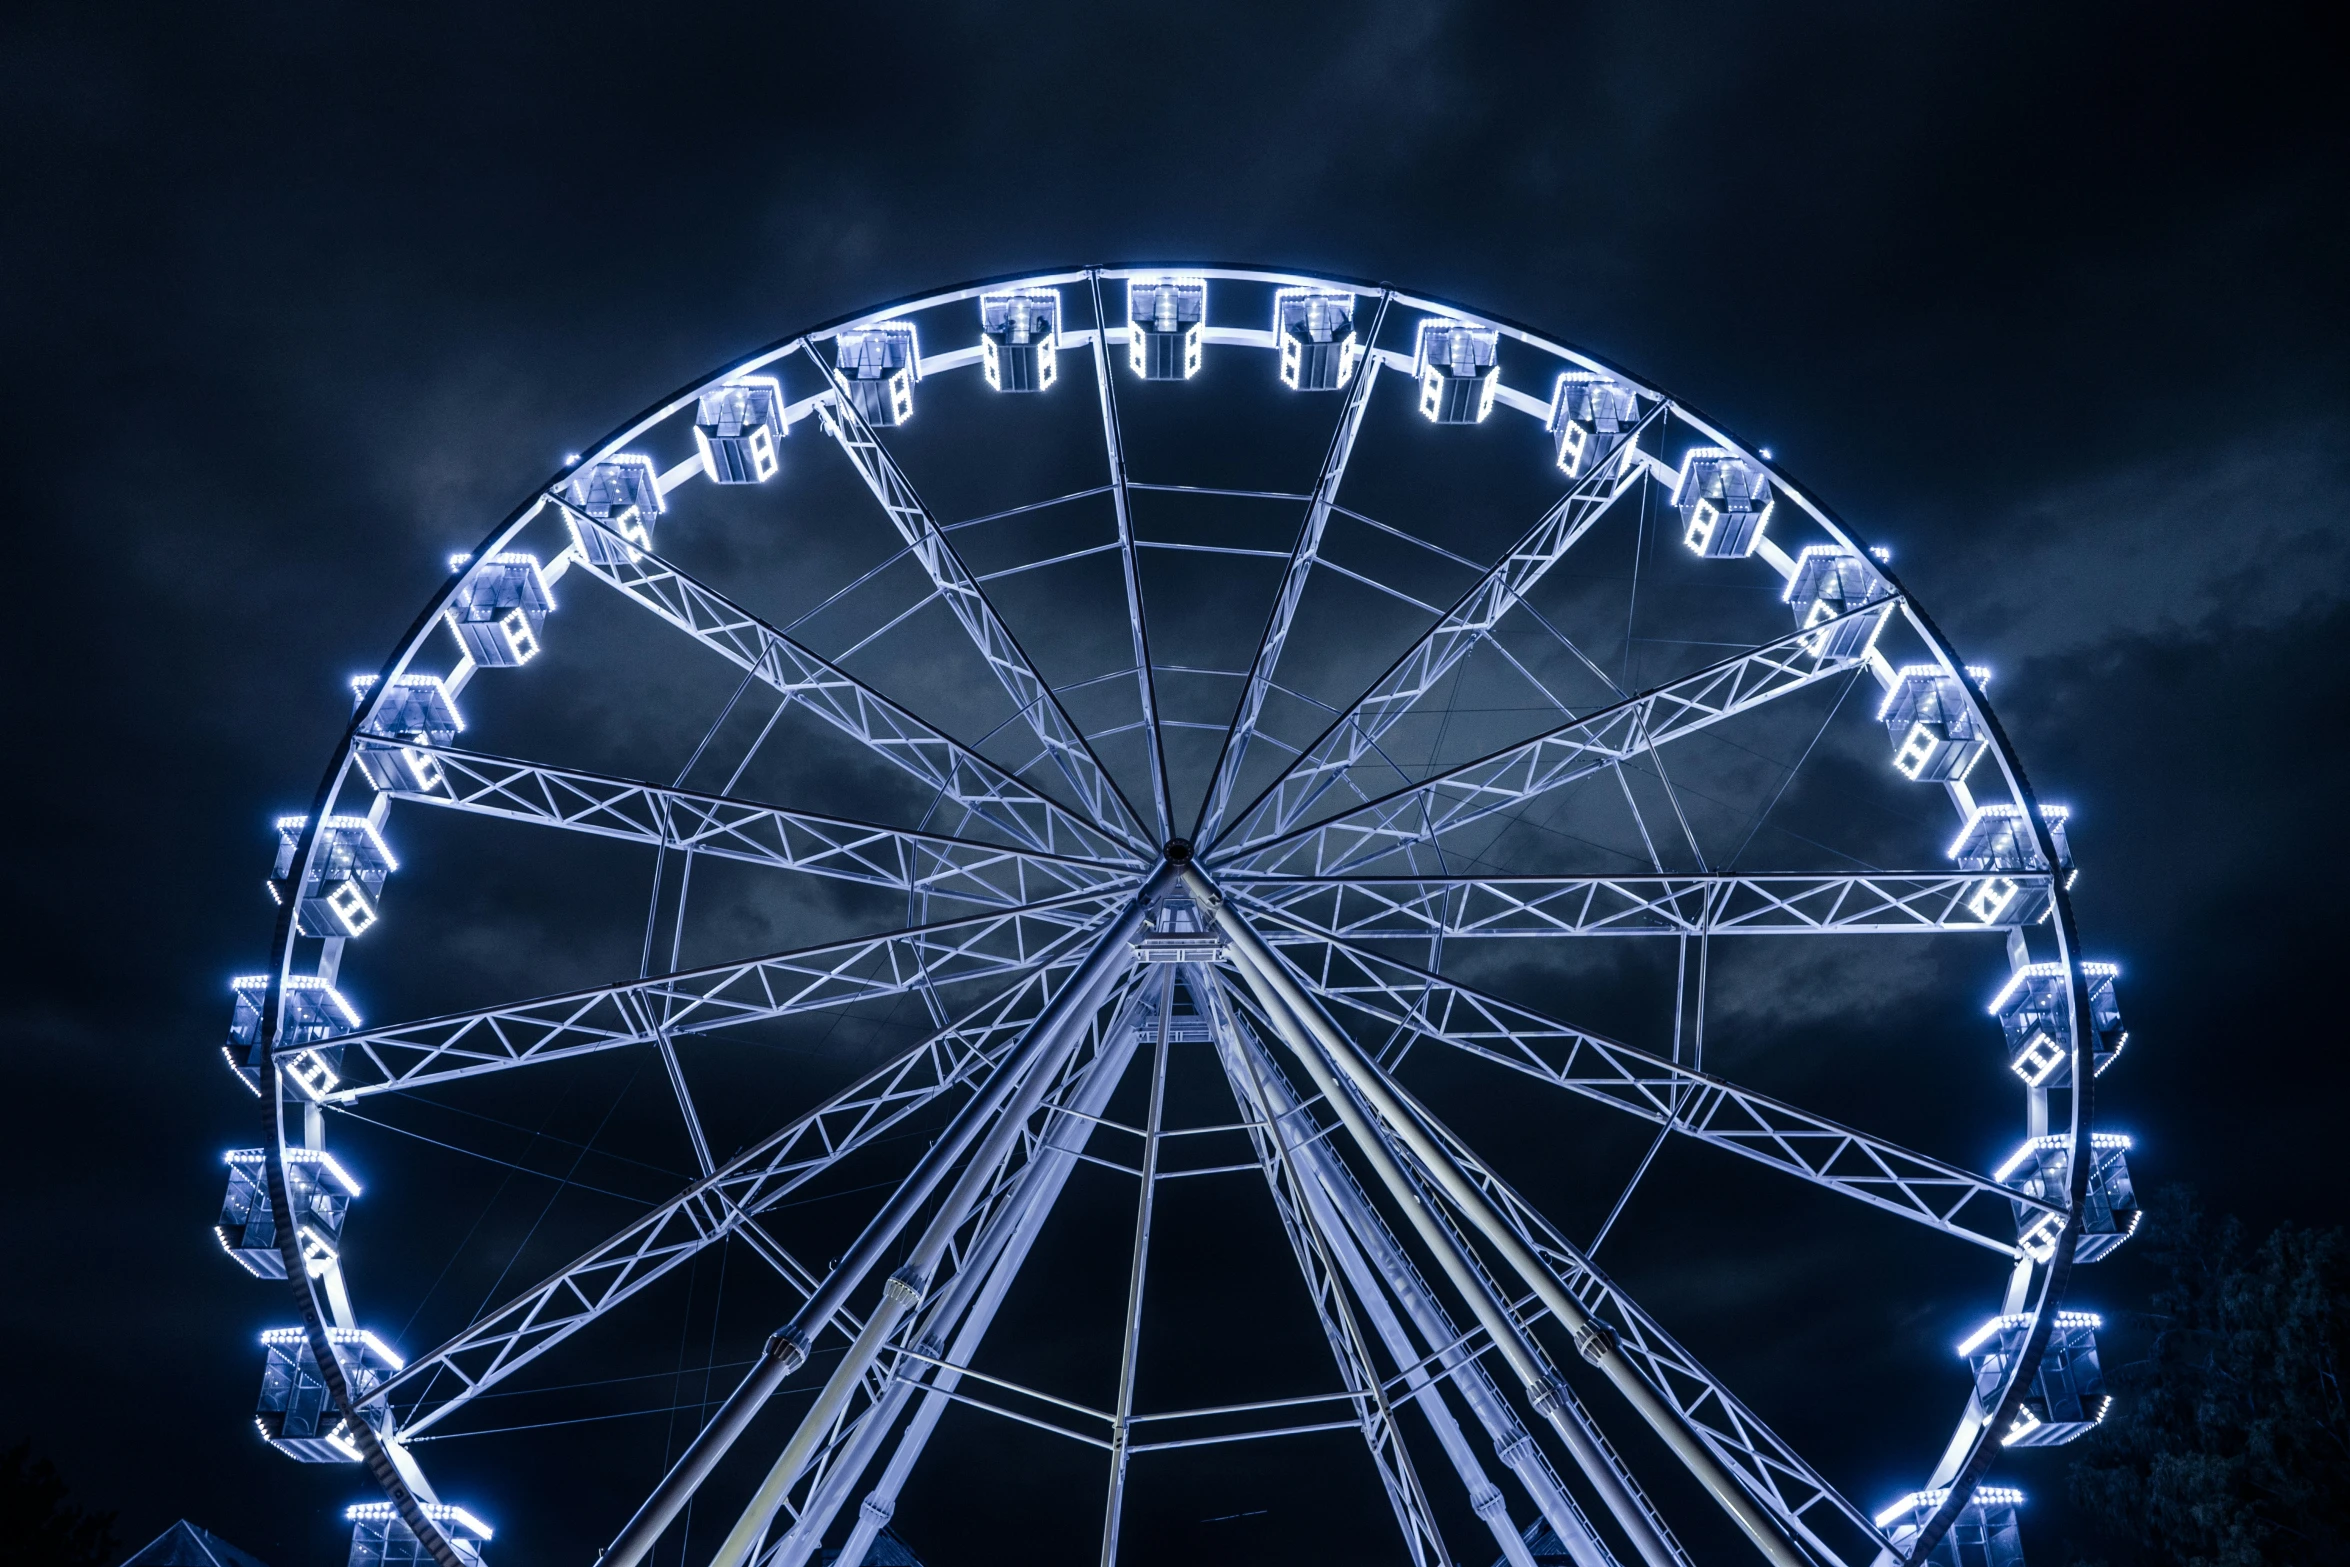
{"x":295,"y":303}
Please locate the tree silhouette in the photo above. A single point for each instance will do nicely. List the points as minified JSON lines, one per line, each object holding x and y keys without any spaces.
{"x":2229,"y":1441}
{"x":37,"y":1527}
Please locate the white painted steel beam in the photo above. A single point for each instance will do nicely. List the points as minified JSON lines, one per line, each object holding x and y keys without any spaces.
{"x":1001,"y":945}
{"x":1031,"y":697}
{"x":1357,"y":732}
{"x":1873,"y":903}
{"x":963,"y":778}
{"x":1419,"y":811}
{"x":931,"y":864}
{"x":1696,"y":1104}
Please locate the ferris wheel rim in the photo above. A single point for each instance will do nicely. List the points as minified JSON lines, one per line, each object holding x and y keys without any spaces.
{"x":2051,"y":1292}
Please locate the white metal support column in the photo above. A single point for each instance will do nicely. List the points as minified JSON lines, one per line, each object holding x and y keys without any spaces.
{"x":1491,"y":1313}
{"x":1254,"y":1082}
{"x":972,"y":1300}
{"x":1287,"y":1185}
{"x":1121,"y":1432}
{"x":1593,"y":1339}
{"x":1444,"y":1342}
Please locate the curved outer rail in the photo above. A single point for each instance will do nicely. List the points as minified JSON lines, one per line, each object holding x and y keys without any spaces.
{"x":1974,"y":1445}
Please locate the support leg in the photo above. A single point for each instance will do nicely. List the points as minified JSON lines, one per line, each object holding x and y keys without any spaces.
{"x":1250,"y":1073}
{"x":1120,"y":1431}
{"x":974,"y":1297}
{"x":1284,"y":997}
{"x":1361,"y":1222}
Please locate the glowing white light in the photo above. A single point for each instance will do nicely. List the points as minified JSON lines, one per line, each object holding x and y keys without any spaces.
{"x":2025,"y":1423}
{"x":2040,"y":1057}
{"x":2099,"y":1142}
{"x":2032,"y":971}
{"x":249,"y":989}
{"x":1884,"y":555}
{"x":312,"y":1075}
{"x":1927,"y":1501}
{"x":1702,"y":518}
{"x":1917,"y":749}
{"x":1573,"y":440}
{"x":238,"y":1067}
{"x":317,"y":1156}
{"x":425,"y":707}
{"x":2038,"y":1242}
{"x":538,"y":575}
{"x":346,"y":827}
{"x":2016,"y":1321}
{"x":1319,"y":317}
{"x":1901,"y":679}
{"x":1991,"y":899}
{"x":318,"y":1253}
{"x":438,"y":1512}
{"x":459,"y":562}
{"x":349,"y":902}
{"x":1974,"y":1340}
{"x":274,"y":1338}
{"x":519,"y":640}
{"x":2054,"y":815}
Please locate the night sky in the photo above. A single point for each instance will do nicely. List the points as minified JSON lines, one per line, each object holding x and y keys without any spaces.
{"x":298,"y":301}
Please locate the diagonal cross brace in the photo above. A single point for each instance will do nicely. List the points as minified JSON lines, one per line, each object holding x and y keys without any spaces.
{"x":1357,"y":732}
{"x":465,"y":1044}
{"x":961,"y":776}
{"x":1293,"y":586}
{"x":1518,"y":774}
{"x":1711,"y":1109}
{"x":929,"y":864}
{"x":1038,"y":708}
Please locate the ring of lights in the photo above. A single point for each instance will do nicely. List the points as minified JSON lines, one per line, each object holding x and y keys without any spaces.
{"x":294,"y":1035}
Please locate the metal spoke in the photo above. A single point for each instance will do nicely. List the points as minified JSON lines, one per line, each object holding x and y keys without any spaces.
{"x":1031,"y":697}
{"x":1520,"y":773}
{"x":1357,"y":732}
{"x":502,"y":1341}
{"x":1267,"y":1098}
{"x":1696,"y":1104}
{"x":1302,"y":557}
{"x":959,"y":774}
{"x":1285,"y":1183}
{"x":975,"y":1295}
{"x":1321,"y":1048}
{"x":1114,"y":449}
{"x":932,"y":864}
{"x":1354,"y":908}
{"x":1147,"y":1190}
{"x":496,"y":1039}
{"x":1773,"y":1472}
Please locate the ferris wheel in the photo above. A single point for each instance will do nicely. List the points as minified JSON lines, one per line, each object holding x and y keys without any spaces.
{"x":1100,"y":891}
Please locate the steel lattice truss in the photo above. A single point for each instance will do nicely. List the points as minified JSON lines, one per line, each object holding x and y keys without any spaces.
{"x":1420,"y":812}
{"x":496,"y":1039}
{"x":1361,"y":908}
{"x":1015,"y":936}
{"x":747,"y":830}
